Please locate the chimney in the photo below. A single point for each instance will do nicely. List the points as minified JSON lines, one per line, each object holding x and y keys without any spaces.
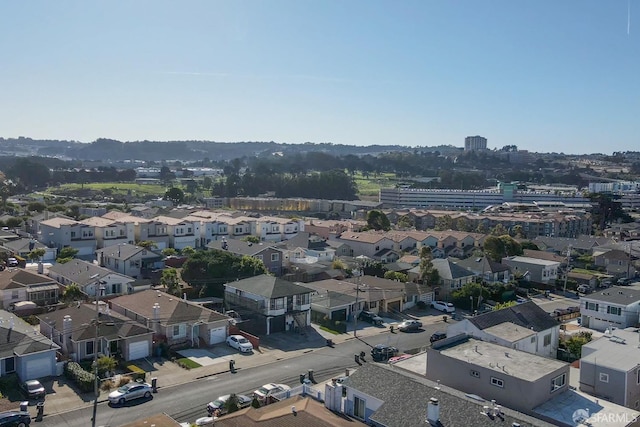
{"x":156,"y":311}
{"x":40,"y":268}
{"x":67,"y":327}
{"x":433,"y":411}
{"x":184,"y":296}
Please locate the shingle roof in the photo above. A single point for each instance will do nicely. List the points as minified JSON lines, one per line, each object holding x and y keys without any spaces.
{"x":20,"y":278}
{"x":124,"y":251}
{"x":527,"y":315}
{"x":406,"y":395}
{"x":269,"y":286}
{"x":449,"y":270}
{"x":615,"y":295}
{"x":172,"y":309}
{"x":240,"y":247}
{"x":22,"y":338}
{"x":309,"y":413}
{"x":22,"y":245}
{"x":83,"y":272}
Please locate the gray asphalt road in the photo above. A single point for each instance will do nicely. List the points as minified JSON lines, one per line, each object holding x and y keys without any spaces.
{"x":187,"y":402}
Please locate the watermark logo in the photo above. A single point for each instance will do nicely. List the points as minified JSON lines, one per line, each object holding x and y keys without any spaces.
{"x":582,"y":416}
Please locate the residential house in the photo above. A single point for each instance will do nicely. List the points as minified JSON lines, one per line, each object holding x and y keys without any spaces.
{"x":144,"y":229}
{"x":306,"y":273}
{"x":91,"y":278}
{"x":525,"y":327}
{"x":32,"y":224}
{"x":366,"y":243}
{"x":485,"y":269}
{"x":212,"y":226}
{"x":452,"y":277}
{"x":23,"y":246}
{"x":275,"y":304}
{"x":178,"y":320}
{"x":390,"y":296}
{"x":615,"y":307}
{"x":276,"y":229}
{"x":60,"y":233}
{"x":19,"y":285}
{"x":24,"y":351}
{"x":609,"y":368}
{"x":549,"y":256}
{"x":340,"y":249}
{"x":271,"y":256}
{"x":328,"y":229}
{"x":493,"y":372}
{"x":616,"y":262}
{"x":537,"y":270}
{"x":129,"y":260}
{"x":306,"y":248}
{"x":109,"y":232}
{"x":588,"y":279}
{"x":182,"y":233}
{"x":386,"y":396}
{"x":583,"y":244}
{"x":74,"y":330}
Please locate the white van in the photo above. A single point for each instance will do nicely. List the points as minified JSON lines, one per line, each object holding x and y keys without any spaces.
{"x":443,"y":306}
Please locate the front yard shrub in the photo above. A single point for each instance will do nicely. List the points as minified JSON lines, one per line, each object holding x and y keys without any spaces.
{"x":187,"y":363}
{"x":83,"y":379}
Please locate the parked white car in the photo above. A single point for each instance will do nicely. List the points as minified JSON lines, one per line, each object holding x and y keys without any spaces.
{"x":270,"y":389}
{"x":130,"y":391}
{"x":443,"y":306}
{"x":240,"y":343}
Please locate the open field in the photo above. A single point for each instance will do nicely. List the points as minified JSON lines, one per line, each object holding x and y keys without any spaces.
{"x":370,"y":186}
{"x":114,"y":187}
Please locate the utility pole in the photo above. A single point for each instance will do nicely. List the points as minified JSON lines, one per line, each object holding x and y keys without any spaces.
{"x":96,"y":389}
{"x":566,"y":273}
{"x":629,"y":262}
{"x":355,"y":317}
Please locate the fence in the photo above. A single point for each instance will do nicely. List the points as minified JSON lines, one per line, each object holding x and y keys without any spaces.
{"x":310,"y":390}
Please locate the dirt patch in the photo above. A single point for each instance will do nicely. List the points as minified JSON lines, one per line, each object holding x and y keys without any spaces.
{"x":7,"y":405}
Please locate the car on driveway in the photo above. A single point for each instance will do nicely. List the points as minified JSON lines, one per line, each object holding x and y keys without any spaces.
{"x":12,"y":262}
{"x":410,"y":325}
{"x":220,"y":404}
{"x":269,"y":390}
{"x":443,"y":306}
{"x":130,"y":391}
{"x":382,"y":353}
{"x":370,"y":317}
{"x":15,"y":419}
{"x":33,"y":389}
{"x":437,"y":336}
{"x":240,"y":343}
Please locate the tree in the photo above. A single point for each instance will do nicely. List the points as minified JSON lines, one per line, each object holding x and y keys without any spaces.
{"x":147,"y":244}
{"x":72,"y":292}
{"x":428,"y":274}
{"x":444,"y":222}
{"x":169,"y":252}
{"x":377,"y":220}
{"x":499,"y":230}
{"x":251,"y":239}
{"x":395,"y":275}
{"x":575,"y":343}
{"x":175,"y":195}
{"x":506,"y":304}
{"x":166,"y":175}
{"x":463,"y":296}
{"x":7,"y":188}
{"x":497,"y":248}
{"x":36,"y":207}
{"x":405,"y":221}
{"x":66,"y":254}
{"x":170,"y":281}
{"x":187,"y":251}
{"x":36,"y":254}
{"x":232,"y":404}
{"x":106,"y":364}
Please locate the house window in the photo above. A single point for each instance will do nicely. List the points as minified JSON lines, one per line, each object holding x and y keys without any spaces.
{"x":547,"y":340}
{"x":497,"y":382}
{"x":592,"y":306}
{"x":359,"y":406}
{"x":617,"y":311}
{"x":89,"y":347}
{"x":533,"y":339}
{"x":475,"y":374}
{"x":558,"y":382}
{"x":638,"y":376}
{"x":373,"y":304}
{"x":9,"y":364}
{"x":303,"y":299}
{"x":275,"y":257}
{"x":277,"y":303}
{"x":15,"y":294}
{"x":604,"y":377}
{"x":259,"y":257}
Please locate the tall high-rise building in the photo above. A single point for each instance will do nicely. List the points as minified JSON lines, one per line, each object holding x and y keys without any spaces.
{"x":474,"y":143}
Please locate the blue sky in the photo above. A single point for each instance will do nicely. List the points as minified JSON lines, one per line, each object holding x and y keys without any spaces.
{"x":545,"y":75}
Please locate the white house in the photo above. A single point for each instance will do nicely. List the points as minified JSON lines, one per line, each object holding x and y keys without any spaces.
{"x":614,"y":307}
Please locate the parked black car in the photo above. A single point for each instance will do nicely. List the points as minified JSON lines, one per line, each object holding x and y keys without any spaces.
{"x":33,"y":389}
{"x":15,"y":419}
{"x":437,"y":336}
{"x":382,"y":353}
{"x":370,"y":317}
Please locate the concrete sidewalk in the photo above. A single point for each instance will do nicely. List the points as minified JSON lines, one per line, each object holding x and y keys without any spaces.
{"x":63,"y":396}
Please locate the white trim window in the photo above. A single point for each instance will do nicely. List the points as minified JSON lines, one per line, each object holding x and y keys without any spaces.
{"x":497,"y":382}
{"x":604,"y":377}
{"x":558,"y":382}
{"x":359,"y":407}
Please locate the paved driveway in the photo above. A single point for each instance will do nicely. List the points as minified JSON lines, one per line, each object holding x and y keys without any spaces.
{"x":205,"y":357}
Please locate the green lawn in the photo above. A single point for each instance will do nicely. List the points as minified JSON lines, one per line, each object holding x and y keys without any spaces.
{"x":115,"y":187}
{"x":187,"y":363}
{"x":370,"y":186}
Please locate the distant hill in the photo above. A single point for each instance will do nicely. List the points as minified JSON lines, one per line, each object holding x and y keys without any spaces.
{"x":112,"y":150}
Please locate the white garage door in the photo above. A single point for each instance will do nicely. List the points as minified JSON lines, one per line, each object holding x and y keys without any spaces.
{"x":217,"y":335}
{"x":138,"y":350}
{"x":37,"y":369}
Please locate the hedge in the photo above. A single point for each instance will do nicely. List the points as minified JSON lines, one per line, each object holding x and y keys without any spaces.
{"x":83,"y":379}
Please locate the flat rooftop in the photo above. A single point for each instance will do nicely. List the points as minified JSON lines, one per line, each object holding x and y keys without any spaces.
{"x":504,"y":360}
{"x":510,"y":331}
{"x":618,"y":350}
